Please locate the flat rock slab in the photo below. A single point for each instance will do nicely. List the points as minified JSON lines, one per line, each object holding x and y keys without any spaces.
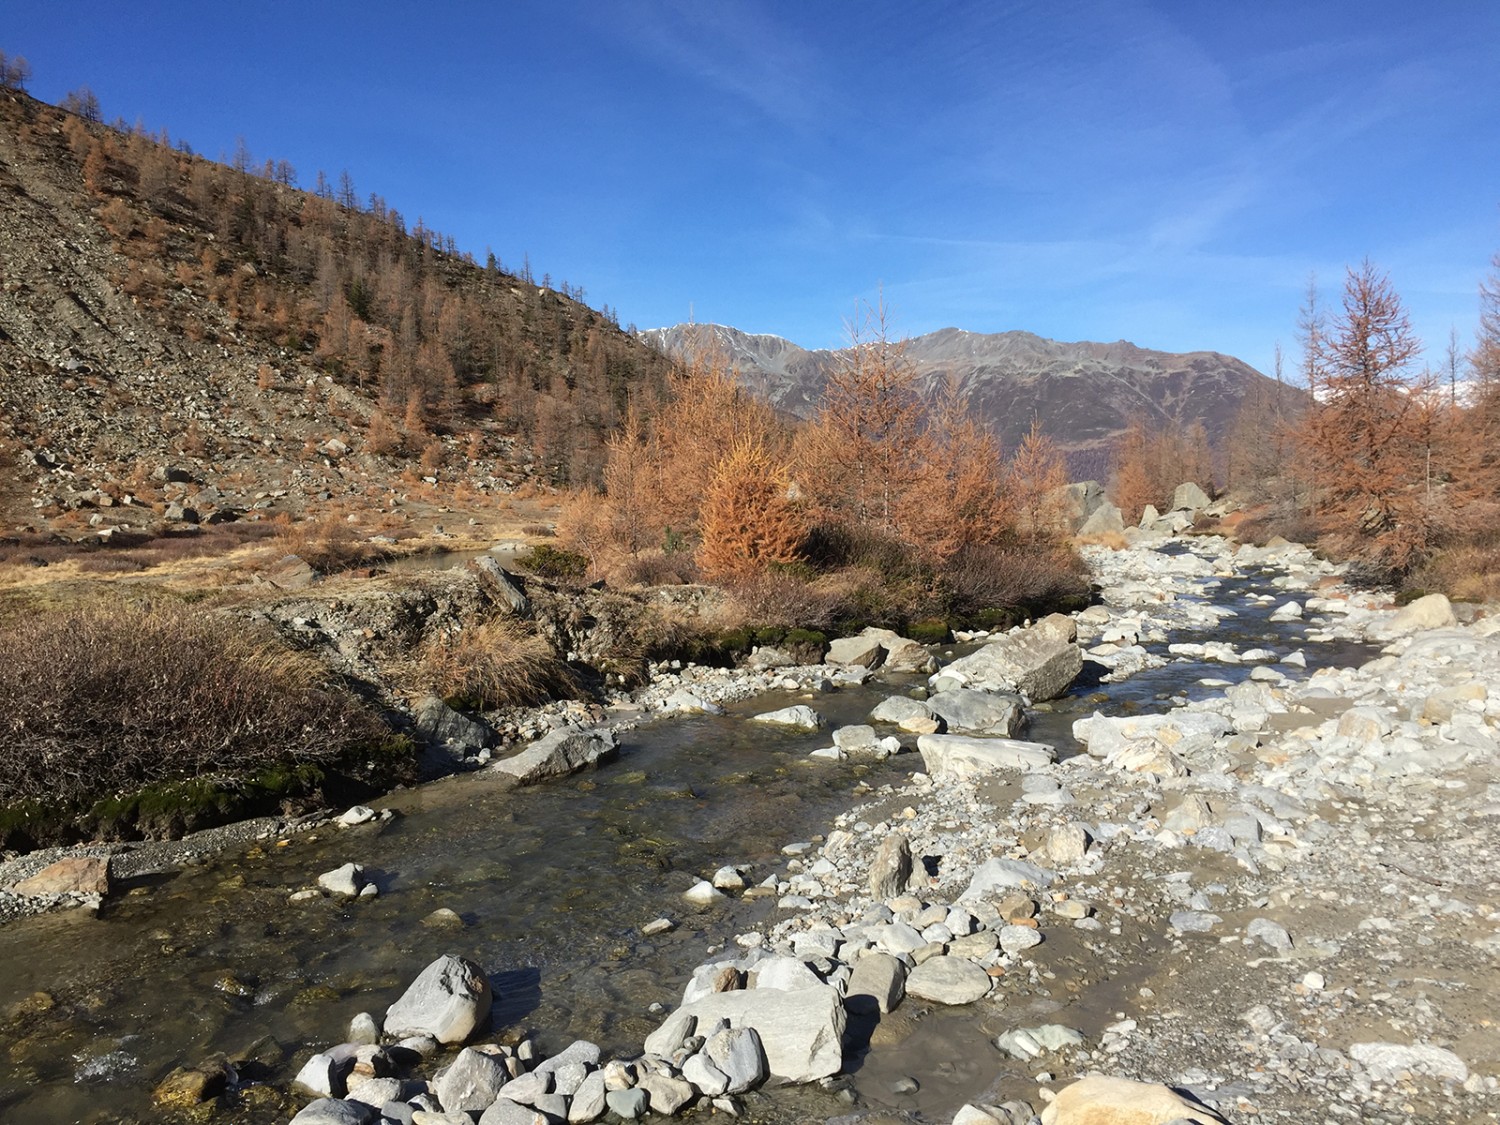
{"x":77,"y":875}
{"x":800,"y":1032}
{"x":948,"y":980}
{"x":800,"y":717}
{"x":967,"y":711}
{"x":561,"y":752}
{"x":958,"y":755}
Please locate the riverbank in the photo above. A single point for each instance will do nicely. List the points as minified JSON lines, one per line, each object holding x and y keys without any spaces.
{"x":1193,"y":840}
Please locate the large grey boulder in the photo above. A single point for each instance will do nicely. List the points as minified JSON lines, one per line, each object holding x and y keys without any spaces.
{"x":948,"y":980}
{"x":1106,"y":518}
{"x":1078,"y":501}
{"x":800,"y":1032}
{"x":564,"y":751}
{"x":958,"y":755}
{"x":966,"y":711}
{"x":1040,"y":662}
{"x":1190,"y":498}
{"x":858,"y":652}
{"x":440,"y":725}
{"x":739,"y":1055}
{"x":891,"y":868}
{"x":874,"y":648}
{"x":448,"y":1000}
{"x":900,"y":709}
{"x":471,"y":1083}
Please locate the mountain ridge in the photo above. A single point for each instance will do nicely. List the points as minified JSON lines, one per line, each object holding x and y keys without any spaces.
{"x":1083,"y":392}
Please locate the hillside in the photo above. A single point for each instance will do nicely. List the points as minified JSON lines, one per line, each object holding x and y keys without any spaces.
{"x":182,"y":337}
{"x":1083,"y":393}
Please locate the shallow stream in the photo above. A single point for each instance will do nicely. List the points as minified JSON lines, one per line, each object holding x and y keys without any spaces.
{"x":552,"y":883}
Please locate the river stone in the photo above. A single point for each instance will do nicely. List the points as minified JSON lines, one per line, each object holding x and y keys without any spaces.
{"x":376,"y":1092}
{"x":860,"y":652}
{"x":999,"y":874}
{"x":738,"y":1054}
{"x":448,"y":1000}
{"x":948,"y":980}
{"x":580,"y":1051}
{"x":962,"y":755}
{"x":706,"y":1078}
{"x":335,"y":1111}
{"x":1121,"y":1101}
{"x":891,"y":868}
{"x":1433,"y":611}
{"x":785,"y":973}
{"x":666,"y":1094}
{"x":1028,"y":1042}
{"x":1040,"y":662}
{"x":439,"y":724}
{"x":703,"y":893}
{"x":627,"y":1104}
{"x":1271,"y":933}
{"x":1390,"y":1062}
{"x":966,"y":711}
{"x":564,"y":751}
{"x":801,"y":1032}
{"x":588,"y":1102}
{"x":502,"y":1112}
{"x":1013,"y":939}
{"x":77,"y":875}
{"x":877,"y":984}
{"x":900,"y":709}
{"x":347,"y":880}
{"x":1065,"y":844}
{"x":526,"y":1088}
{"x":323,"y":1075}
{"x":471,"y":1083}
{"x":356,"y":815}
{"x":800,"y":717}
{"x":905,"y":655}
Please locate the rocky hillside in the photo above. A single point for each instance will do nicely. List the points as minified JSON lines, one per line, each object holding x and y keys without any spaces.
{"x":181,"y":336}
{"x":1083,"y":393}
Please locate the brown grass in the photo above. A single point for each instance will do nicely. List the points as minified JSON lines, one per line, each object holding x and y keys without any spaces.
{"x":109,"y":697}
{"x":498,"y":663}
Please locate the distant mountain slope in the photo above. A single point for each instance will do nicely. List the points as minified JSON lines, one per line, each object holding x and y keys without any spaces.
{"x":1083,"y":393}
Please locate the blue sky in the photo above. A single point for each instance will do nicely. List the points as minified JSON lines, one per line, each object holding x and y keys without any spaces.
{"x":1168,"y":173}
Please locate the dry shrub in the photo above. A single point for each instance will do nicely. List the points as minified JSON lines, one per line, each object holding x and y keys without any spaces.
{"x":327,"y":544}
{"x":1114,"y":540}
{"x":497,"y":663}
{"x":983,"y":578}
{"x":654,"y":568}
{"x":109,"y":698}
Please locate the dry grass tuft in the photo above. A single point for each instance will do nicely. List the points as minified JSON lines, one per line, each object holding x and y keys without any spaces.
{"x":498,"y":663}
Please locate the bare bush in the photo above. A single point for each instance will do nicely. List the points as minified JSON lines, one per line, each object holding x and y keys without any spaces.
{"x":109,"y":698}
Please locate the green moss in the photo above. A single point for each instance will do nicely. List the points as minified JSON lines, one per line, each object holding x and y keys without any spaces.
{"x":929,"y":631}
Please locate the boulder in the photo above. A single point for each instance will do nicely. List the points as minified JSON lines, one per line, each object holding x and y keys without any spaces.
{"x":471,"y":1083}
{"x":1189,"y":497}
{"x":500,"y":1112}
{"x":1431,"y":612}
{"x":1078,"y":501}
{"x":800,"y":717}
{"x":448,"y":1000}
{"x":1121,"y":1101}
{"x":501,"y":585}
{"x":860,"y":652}
{"x":564,"y":751}
{"x":877,"y":984}
{"x":1104,"y":520}
{"x":800,"y":1032}
{"x":335,"y":1111}
{"x":738,"y":1054}
{"x":965,"y":711}
{"x":900,"y":709}
{"x":948,"y":980}
{"x":891,"y":868}
{"x":76,"y":875}
{"x":347,"y":880}
{"x":958,"y":755}
{"x":1040,"y":662}
{"x":438,"y":724}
